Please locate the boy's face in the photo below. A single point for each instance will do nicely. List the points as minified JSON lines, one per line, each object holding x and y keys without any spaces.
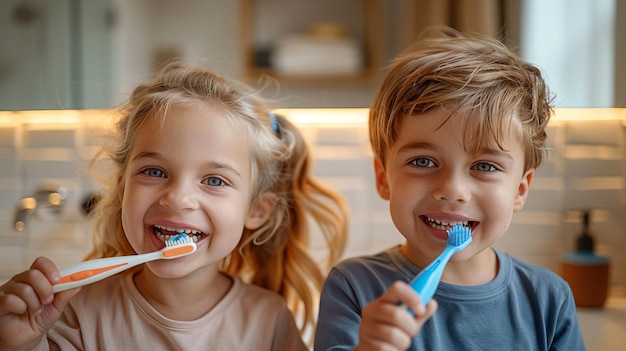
{"x":432,"y":181}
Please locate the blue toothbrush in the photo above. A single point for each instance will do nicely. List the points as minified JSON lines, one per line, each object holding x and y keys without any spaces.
{"x":426,"y":282}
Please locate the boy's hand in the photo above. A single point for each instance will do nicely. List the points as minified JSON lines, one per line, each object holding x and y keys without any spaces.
{"x":388,"y":326}
{"x":28,"y":308}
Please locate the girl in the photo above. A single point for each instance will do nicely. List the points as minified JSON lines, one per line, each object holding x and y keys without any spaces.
{"x":202,"y":155}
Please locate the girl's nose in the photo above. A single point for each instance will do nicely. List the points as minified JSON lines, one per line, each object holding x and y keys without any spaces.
{"x":179,"y":196}
{"x":452,"y":186}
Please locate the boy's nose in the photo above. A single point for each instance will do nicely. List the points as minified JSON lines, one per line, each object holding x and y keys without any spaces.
{"x":179,"y":196}
{"x":452,"y":186}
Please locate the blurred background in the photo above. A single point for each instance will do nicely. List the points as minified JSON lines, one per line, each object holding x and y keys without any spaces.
{"x":63,"y":62}
{"x":62,"y":54}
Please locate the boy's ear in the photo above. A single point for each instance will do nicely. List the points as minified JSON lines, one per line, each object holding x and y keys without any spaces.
{"x":522,"y":190}
{"x":260,"y":210}
{"x":381,"y":180}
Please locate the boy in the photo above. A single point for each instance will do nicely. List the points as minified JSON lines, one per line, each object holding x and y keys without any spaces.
{"x":457,"y":130}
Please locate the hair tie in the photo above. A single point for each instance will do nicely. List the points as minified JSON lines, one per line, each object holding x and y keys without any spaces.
{"x":274,"y":122}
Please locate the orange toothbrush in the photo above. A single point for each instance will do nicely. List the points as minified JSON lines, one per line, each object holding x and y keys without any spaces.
{"x":92,"y":271}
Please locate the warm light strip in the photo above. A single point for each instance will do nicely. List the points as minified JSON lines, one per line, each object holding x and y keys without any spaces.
{"x":320,"y":117}
{"x":53,"y":118}
{"x":326,"y":117}
{"x":358,"y":116}
{"x":595,"y":114}
{"x":43,"y":116}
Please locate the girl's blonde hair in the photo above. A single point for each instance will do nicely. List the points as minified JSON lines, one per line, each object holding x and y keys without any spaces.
{"x":465,"y":73}
{"x":276,"y":256}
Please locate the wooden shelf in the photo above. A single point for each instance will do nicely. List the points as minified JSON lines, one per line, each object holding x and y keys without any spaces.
{"x":265,"y":21}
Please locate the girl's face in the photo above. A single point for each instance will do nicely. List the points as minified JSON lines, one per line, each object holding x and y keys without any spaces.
{"x":432,"y":181}
{"x":192,"y":175}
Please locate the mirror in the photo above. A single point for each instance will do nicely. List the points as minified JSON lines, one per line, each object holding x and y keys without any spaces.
{"x":55,"y":54}
{"x":82,"y":54}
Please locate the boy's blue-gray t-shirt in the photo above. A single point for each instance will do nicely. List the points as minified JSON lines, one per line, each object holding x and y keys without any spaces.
{"x":525,"y":307}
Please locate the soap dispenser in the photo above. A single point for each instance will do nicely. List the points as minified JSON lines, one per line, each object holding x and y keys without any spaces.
{"x":586,"y":272}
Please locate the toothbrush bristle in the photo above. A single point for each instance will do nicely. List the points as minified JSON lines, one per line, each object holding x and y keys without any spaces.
{"x":458,"y":235}
{"x":178,"y":240}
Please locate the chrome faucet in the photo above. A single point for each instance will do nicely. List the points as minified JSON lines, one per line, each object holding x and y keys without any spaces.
{"x":48,"y":198}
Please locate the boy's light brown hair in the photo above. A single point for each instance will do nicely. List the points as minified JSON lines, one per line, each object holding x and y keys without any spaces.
{"x":465,"y":73}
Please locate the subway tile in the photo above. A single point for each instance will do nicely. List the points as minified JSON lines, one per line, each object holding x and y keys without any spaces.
{"x":339,"y":152}
{"x":595,"y":132}
{"x":49,"y":169}
{"x":598,"y":152}
{"x":10,"y":167}
{"x":575,"y":200}
{"x":48,"y":154}
{"x":7,"y":137}
{"x":341,"y":136}
{"x":547,"y":183}
{"x":554,"y":132}
{"x":92,"y":136}
{"x":11,"y":262}
{"x":54,"y":235}
{"x":8,"y":235}
{"x":339,"y":167}
{"x":550,"y":168}
{"x":598,"y":183}
{"x":544,"y":200}
{"x":9,"y":196}
{"x":593,"y":167}
{"x":50,"y":138}
{"x":60,"y":256}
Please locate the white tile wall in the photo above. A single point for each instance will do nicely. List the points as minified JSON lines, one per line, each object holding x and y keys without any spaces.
{"x":586,"y":169}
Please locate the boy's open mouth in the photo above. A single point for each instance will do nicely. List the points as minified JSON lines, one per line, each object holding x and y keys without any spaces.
{"x":165,"y":233}
{"x":445,"y":225}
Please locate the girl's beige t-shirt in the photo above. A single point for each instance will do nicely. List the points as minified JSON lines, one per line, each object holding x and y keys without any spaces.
{"x":113,"y":315}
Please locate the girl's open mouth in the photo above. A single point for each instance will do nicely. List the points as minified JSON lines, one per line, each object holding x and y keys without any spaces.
{"x":165,"y":233}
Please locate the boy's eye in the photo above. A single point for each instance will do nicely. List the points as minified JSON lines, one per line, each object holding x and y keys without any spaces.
{"x":485,"y":167}
{"x":423,"y":162}
{"x":214,"y":181}
{"x":154,"y":172}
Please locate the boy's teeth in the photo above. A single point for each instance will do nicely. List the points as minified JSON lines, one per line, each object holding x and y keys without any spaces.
{"x":443,"y":224}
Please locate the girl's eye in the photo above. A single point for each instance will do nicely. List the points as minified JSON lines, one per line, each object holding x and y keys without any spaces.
{"x":423,"y":162}
{"x":154,"y":172}
{"x":214,"y":181}
{"x":485,"y":167}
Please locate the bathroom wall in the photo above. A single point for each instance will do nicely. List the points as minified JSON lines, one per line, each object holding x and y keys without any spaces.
{"x":585,"y":170}
{"x":35,"y":150}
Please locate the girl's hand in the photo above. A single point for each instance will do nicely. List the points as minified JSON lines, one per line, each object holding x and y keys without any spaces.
{"x":386,"y":325}
{"x":28,"y":308}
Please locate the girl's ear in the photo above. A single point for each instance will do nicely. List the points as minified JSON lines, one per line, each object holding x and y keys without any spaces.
{"x":522,"y":190}
{"x":260,"y":210}
{"x":381,"y":180}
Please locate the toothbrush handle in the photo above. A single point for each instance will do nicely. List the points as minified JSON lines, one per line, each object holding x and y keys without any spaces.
{"x":92,"y":271}
{"x":427,"y":281}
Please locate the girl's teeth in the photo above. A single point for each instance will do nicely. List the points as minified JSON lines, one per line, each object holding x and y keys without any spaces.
{"x":178,"y":230}
{"x":194,"y":234}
